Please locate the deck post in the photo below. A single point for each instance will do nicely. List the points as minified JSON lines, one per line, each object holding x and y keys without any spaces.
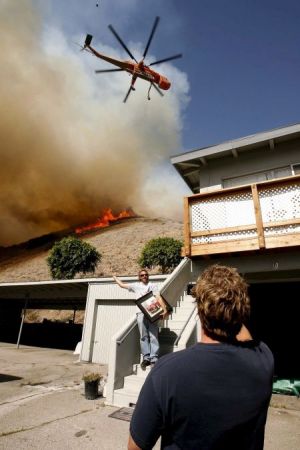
{"x":258,"y":217}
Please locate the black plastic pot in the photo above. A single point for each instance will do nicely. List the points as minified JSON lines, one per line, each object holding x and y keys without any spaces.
{"x":91,"y":389}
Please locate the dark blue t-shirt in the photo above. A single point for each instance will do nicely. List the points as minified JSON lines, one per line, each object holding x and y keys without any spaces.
{"x":207,"y":397}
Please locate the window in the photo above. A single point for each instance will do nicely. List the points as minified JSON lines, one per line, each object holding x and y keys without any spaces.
{"x":256,"y":177}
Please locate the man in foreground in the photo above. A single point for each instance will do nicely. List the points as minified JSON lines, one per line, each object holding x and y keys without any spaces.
{"x":215,"y":394}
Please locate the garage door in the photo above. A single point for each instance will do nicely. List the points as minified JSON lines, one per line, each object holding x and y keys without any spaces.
{"x":111,"y":315}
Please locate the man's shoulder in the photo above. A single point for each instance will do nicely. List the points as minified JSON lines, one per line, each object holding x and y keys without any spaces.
{"x":263,"y":347}
{"x":171,"y":360}
{"x":207,"y":352}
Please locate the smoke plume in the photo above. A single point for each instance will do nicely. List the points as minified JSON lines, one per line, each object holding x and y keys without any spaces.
{"x":69,"y":146}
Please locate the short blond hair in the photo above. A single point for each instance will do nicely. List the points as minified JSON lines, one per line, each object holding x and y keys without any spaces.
{"x":223,"y":303}
{"x":143,"y":270}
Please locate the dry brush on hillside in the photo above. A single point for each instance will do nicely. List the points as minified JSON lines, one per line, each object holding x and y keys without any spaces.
{"x":120,"y":245}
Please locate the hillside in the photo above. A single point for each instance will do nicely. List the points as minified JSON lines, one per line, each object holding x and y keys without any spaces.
{"x":120,"y":245}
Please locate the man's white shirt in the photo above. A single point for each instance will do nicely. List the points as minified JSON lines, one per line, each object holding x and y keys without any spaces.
{"x":141,"y":289}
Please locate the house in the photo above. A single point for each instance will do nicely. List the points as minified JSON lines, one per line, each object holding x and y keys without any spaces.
{"x":244,"y":211}
{"x":260,"y":157}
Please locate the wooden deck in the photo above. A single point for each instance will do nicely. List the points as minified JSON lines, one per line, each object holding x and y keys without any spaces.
{"x":259,"y":216}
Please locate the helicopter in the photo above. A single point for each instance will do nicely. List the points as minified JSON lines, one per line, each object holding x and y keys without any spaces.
{"x":138,"y":69}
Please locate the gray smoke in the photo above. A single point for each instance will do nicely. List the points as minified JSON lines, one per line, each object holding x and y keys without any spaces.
{"x":69,"y":146}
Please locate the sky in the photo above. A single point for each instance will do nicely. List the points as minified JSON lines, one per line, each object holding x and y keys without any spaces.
{"x":241,"y":57}
{"x":71,"y":148}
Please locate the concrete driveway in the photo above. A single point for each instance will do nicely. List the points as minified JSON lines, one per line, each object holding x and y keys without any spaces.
{"x":42,"y":406}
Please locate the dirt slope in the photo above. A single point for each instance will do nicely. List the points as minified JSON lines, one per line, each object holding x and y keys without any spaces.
{"x":120,"y":246}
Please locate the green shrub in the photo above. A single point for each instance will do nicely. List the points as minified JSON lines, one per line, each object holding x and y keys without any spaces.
{"x":71,"y":256}
{"x":164,"y":252}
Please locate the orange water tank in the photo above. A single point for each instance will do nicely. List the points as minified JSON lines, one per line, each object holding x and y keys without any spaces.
{"x":164,"y":83}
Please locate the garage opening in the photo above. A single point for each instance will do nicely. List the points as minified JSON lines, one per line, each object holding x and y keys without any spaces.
{"x":61,"y":329}
{"x":43,"y":314}
{"x":275,"y":320}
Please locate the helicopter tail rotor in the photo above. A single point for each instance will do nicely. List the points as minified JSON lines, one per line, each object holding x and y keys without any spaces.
{"x":88,"y":40}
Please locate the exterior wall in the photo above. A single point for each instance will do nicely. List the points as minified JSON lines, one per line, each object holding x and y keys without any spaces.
{"x":97,"y":335}
{"x":276,"y":266}
{"x":212,"y":175}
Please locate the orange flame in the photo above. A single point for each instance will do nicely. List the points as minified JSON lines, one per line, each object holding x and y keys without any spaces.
{"x":106,"y":220}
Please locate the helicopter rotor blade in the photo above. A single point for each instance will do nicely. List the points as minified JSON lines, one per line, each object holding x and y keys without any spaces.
{"x":127,"y":95}
{"x":121,"y":42}
{"x":166,"y":59}
{"x":151,"y":36}
{"x":81,"y":46}
{"x":158,"y":90}
{"x":108,"y":70}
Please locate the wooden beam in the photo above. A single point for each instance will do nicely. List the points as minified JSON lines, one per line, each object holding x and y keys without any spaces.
{"x":286,"y":240}
{"x":189,"y":164}
{"x":281,"y":223}
{"x":236,"y":245}
{"x":285,"y":181}
{"x":203,"y":160}
{"x":190,"y":172}
{"x":258,"y":217}
{"x":271,"y":144}
{"x":201,"y":233}
{"x":235,"y":152}
{"x":186,"y":230}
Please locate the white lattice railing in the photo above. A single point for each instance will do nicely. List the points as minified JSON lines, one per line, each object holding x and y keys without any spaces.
{"x":252,"y":217}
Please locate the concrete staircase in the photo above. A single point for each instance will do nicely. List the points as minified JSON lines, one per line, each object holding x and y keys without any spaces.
{"x":127,"y":396}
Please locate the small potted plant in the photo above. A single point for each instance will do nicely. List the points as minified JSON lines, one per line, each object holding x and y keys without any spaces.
{"x":91,"y":384}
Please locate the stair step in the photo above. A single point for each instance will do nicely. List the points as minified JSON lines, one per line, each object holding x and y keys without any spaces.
{"x":124,"y":397}
{"x":137,"y":370}
{"x":186,"y":298}
{"x":176,"y":330}
{"x":134,"y":383}
{"x":185,"y":306}
{"x":175,"y":324}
